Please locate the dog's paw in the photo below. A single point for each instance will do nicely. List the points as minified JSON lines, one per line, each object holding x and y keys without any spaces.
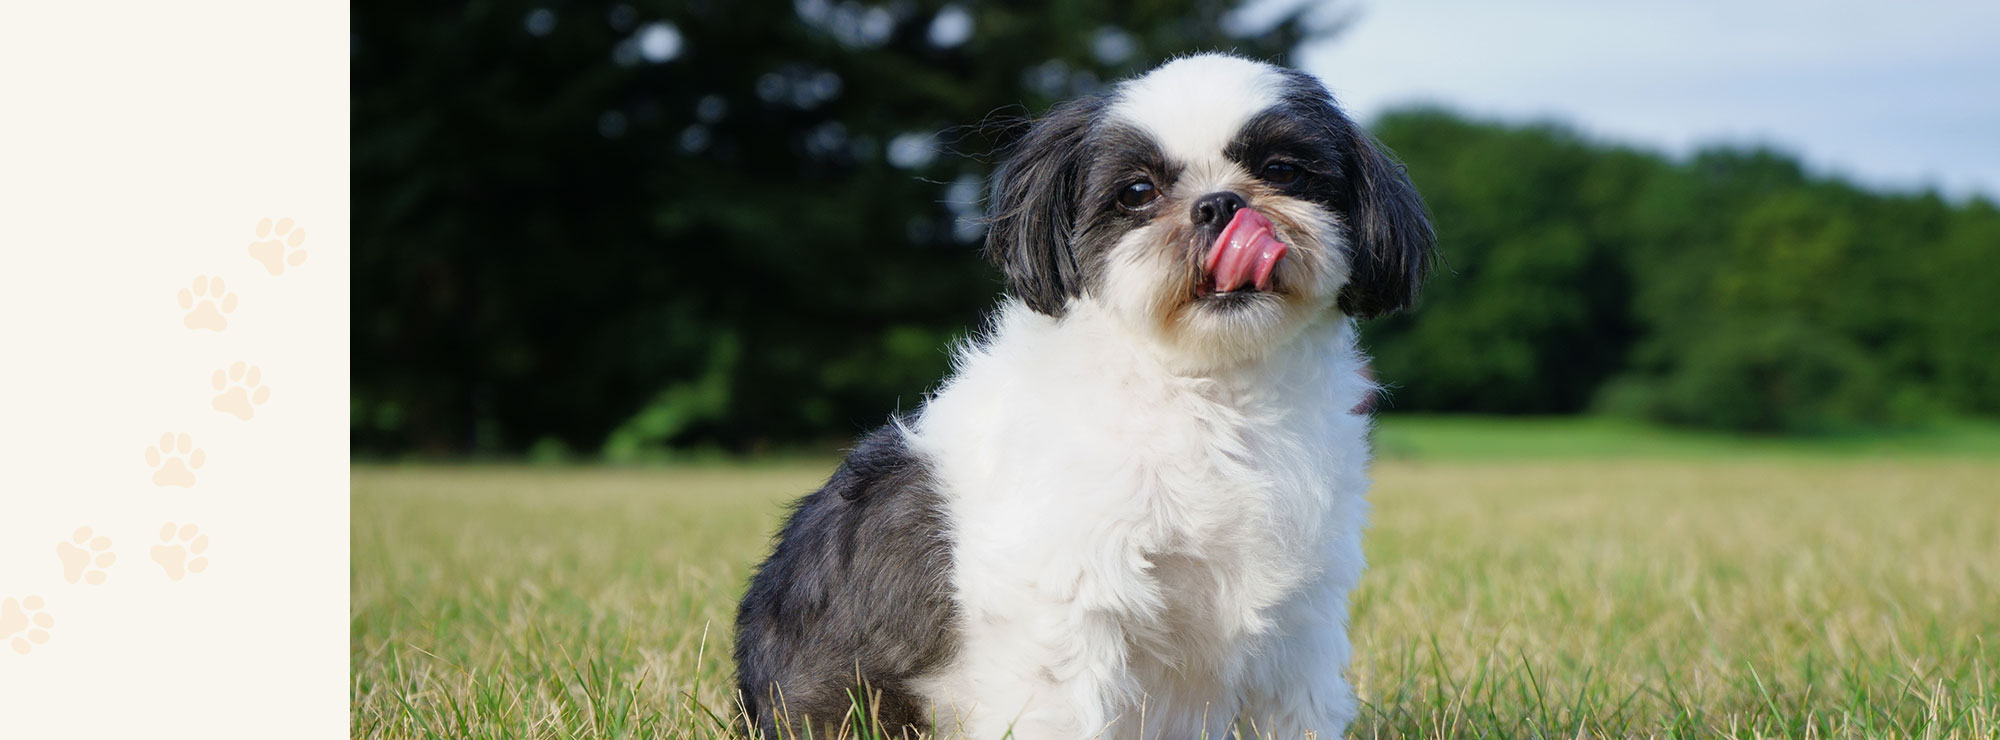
{"x":242,"y":390}
{"x":180,"y":550}
{"x":278,"y":244}
{"x":205,"y":304}
{"x":84,"y":557}
{"x":174,"y":460}
{"x":23,"y":624}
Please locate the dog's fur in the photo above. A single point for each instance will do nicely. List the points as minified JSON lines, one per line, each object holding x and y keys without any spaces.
{"x":1135,"y":508}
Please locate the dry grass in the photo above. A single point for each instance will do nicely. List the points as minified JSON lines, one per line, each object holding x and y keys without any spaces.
{"x":1741,"y":598}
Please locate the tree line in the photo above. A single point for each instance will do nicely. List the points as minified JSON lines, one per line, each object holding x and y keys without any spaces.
{"x":622,"y":229}
{"x":1732,"y":289}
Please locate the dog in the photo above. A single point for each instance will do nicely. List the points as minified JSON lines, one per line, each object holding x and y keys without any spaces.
{"x":1134,"y":509}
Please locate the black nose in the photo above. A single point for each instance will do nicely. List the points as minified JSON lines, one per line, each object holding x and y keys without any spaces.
{"x":1217,"y":208}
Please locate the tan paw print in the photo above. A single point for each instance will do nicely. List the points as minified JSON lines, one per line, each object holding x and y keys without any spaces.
{"x":174,"y":460}
{"x":180,"y":550}
{"x":84,"y":557}
{"x":242,"y":390}
{"x":278,"y":245}
{"x":23,"y":624}
{"x":205,"y":304}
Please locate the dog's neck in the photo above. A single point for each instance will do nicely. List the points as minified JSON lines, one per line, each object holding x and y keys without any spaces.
{"x":1301,"y":370}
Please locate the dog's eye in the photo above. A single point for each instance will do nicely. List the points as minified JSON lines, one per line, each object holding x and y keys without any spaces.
{"x":1280,"y":173}
{"x":1138,"y":194}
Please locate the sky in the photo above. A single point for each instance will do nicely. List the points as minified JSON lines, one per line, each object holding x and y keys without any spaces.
{"x":1896,"y":95}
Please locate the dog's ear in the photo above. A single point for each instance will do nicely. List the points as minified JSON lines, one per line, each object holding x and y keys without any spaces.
{"x":1389,"y":232}
{"x":1032,"y":218}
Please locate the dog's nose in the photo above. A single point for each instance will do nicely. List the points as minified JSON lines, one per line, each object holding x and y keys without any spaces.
{"x":1215,"y":209}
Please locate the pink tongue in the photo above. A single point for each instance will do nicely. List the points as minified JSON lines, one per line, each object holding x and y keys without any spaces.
{"x":1246,"y":253}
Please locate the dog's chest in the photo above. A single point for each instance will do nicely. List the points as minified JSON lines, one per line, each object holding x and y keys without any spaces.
{"x":1219,"y":490}
{"x":1236,"y":533}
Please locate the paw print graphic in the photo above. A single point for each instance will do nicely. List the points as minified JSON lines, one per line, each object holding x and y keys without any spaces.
{"x":174,"y":460}
{"x":242,"y":391}
{"x":278,"y":245}
{"x":23,"y":624}
{"x":180,"y":550}
{"x":84,"y":557}
{"x":205,"y":304}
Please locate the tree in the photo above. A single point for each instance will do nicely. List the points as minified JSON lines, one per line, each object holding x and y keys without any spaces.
{"x":626,"y":227}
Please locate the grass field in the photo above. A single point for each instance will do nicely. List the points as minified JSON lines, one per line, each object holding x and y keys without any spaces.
{"x":1716,"y":590}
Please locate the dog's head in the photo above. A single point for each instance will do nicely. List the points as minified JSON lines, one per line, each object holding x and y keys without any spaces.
{"x":1215,"y":204}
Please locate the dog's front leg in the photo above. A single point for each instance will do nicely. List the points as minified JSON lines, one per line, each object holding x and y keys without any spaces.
{"x":1047,"y":658}
{"x":1088,"y":671}
{"x":1297,"y":686}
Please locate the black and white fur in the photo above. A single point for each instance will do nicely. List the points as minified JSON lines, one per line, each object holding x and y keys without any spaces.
{"x":1135,"y":509}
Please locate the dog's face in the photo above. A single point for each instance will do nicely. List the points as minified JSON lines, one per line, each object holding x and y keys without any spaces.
{"x":1216,"y":204}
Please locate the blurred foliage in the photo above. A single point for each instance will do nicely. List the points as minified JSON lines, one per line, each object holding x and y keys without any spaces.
{"x":1732,"y":290}
{"x":624,"y":227}
{"x":621,"y":229}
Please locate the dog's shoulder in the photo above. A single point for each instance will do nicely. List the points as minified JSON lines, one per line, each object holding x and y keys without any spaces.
{"x":880,"y":466}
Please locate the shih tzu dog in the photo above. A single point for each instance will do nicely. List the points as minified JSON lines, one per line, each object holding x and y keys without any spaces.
{"x":1135,"y":508}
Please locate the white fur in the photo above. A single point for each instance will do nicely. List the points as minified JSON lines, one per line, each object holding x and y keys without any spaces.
{"x":1156,"y":513}
{"x":1191,"y":103}
{"x":1131,"y":542}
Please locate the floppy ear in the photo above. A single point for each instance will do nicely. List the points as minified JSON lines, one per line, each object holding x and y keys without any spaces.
{"x":1033,"y":212}
{"x":1389,"y":232}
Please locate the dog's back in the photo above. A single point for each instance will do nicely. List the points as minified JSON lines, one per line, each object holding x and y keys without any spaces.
{"x":853,"y":605}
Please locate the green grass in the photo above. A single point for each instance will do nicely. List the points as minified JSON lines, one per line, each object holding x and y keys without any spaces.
{"x":1744,"y":594}
{"x":1431,"y":436}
